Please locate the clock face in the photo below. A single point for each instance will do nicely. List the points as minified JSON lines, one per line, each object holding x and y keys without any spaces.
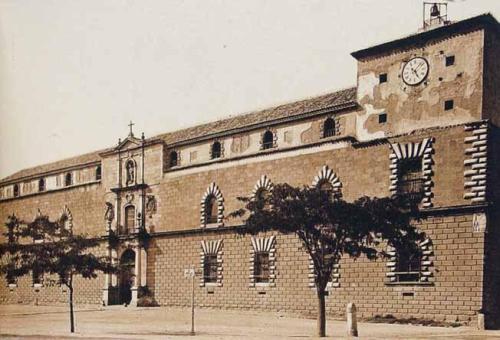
{"x":415,"y":71}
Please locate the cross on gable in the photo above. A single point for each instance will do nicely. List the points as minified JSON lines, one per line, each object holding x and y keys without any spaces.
{"x":130,"y":126}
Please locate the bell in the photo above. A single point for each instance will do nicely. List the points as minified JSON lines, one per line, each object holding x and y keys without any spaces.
{"x":435,"y":10}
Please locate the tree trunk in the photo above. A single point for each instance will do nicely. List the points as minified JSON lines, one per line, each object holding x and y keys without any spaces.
{"x":321,"y":313}
{"x":71,"y":313}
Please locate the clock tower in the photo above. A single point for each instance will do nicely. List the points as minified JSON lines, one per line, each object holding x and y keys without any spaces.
{"x":441,"y":76}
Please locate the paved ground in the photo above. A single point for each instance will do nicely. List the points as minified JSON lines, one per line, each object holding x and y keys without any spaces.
{"x":43,"y":322}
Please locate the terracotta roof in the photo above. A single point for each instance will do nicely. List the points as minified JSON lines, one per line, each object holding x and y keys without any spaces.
{"x":421,"y":38}
{"x":59,"y":165}
{"x":289,"y":110}
{"x":332,"y":100}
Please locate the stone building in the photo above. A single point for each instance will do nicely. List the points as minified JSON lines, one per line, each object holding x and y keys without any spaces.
{"x":423,"y":120}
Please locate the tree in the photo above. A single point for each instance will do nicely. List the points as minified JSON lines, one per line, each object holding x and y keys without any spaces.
{"x":47,"y":247}
{"x":329,"y":227}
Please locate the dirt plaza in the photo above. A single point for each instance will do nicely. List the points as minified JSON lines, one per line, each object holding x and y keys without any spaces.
{"x":118,"y":322}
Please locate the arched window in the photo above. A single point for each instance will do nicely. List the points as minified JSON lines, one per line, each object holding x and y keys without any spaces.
{"x":98,"y":173}
{"x":211,"y":210}
{"x":41,"y":185}
{"x":329,"y":128}
{"x":262,"y":198}
{"x":129,"y":219}
{"x":68,"y":179}
{"x":216,"y":150}
{"x":325,"y":186}
{"x":267,"y":140}
{"x":173,"y":159}
{"x":16,"y":190}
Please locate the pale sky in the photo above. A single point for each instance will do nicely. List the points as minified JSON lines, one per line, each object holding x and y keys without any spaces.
{"x":73,"y":73}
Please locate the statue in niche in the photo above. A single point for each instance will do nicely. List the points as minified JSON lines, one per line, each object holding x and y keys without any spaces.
{"x":130,"y":168}
{"x":150,"y":205}
{"x":109,"y":215}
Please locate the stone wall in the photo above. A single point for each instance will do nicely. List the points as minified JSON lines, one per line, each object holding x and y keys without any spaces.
{"x":454,"y":294}
{"x":422,"y":106}
{"x":86,"y":291}
{"x":362,"y":170}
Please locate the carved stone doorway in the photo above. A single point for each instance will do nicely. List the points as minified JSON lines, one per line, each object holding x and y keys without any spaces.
{"x":127,"y":264}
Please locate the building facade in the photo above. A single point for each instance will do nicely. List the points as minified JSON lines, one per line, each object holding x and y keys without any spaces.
{"x":422,"y":120}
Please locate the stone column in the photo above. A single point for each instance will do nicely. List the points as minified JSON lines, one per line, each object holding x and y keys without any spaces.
{"x":107,"y":280}
{"x":144,"y":264}
{"x":137,"y":276}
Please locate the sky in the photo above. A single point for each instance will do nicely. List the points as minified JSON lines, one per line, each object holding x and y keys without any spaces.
{"x":74,"y":73}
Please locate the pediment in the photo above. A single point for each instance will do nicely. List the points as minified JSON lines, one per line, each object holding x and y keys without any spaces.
{"x":128,"y":143}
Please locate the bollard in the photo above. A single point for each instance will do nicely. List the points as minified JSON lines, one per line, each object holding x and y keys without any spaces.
{"x":480,"y":321}
{"x":352,"y":324}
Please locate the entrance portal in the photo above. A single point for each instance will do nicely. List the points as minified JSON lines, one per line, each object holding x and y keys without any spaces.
{"x":127,"y":264}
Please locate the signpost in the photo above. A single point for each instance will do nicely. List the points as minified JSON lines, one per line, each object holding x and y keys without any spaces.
{"x":191,"y":273}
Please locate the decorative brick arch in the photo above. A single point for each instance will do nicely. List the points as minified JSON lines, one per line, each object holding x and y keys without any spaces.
{"x":213,"y":247}
{"x":327,"y":174}
{"x":264,"y":183}
{"x":212,"y":190}
{"x":422,"y":150}
{"x":67,"y":218}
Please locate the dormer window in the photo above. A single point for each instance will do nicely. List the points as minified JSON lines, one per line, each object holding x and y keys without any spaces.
{"x":98,"y":173}
{"x":216,"y":150}
{"x":16,"y":190}
{"x":267,"y":140}
{"x":329,"y":128}
{"x":41,"y":185}
{"x":173,"y":159}
{"x":68,"y":179}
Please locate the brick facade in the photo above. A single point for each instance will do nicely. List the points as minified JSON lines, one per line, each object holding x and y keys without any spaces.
{"x":169,"y":200}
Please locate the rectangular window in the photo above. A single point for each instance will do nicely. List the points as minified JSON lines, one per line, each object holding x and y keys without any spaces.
{"x":382,"y":118}
{"x":261,"y":267}
{"x":448,"y":105}
{"x":129,"y":219}
{"x":408,"y":267}
{"x":450,"y":60}
{"x":210,"y":268}
{"x":410,"y":181}
{"x":382,"y":78}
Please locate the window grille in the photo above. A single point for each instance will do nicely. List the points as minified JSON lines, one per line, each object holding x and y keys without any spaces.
{"x":210,"y":268}
{"x":216,"y":150}
{"x":261,"y":267}
{"x":408,"y":267}
{"x":411,"y":181}
{"x":267,"y":140}
{"x":329,"y":128}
